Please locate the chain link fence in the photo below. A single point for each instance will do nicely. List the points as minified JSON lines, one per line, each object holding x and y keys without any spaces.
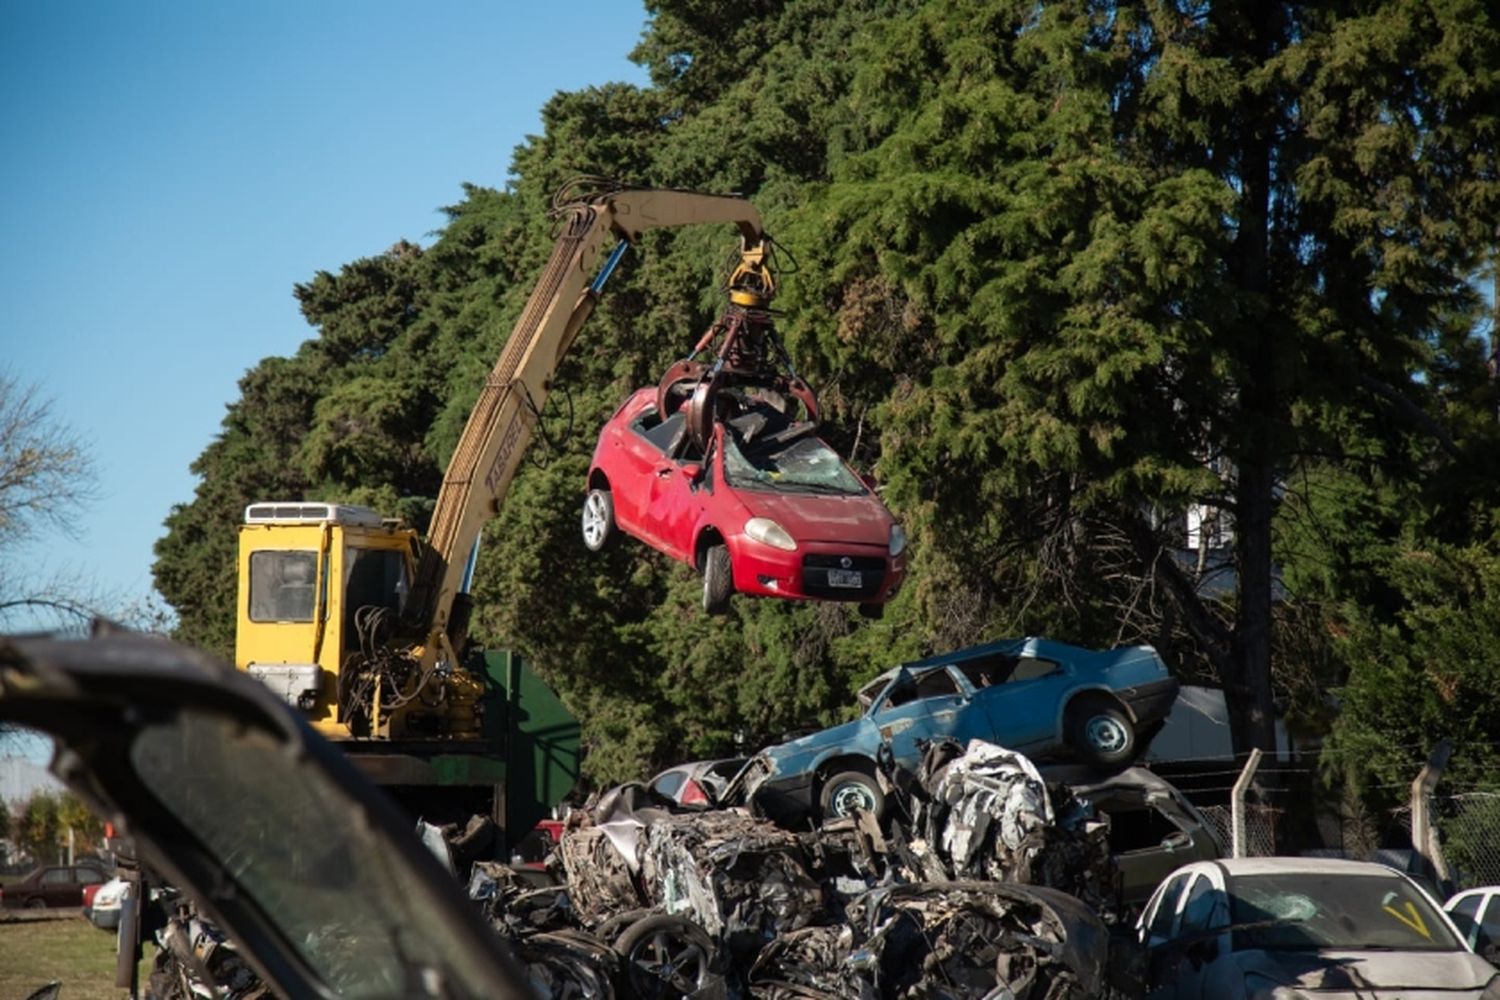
{"x":1261,"y":822}
{"x":1469,"y":825}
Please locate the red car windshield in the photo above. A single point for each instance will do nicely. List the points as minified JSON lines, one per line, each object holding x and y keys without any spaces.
{"x":806,"y":465}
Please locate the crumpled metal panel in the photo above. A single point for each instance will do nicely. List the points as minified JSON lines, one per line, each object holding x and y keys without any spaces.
{"x":514,"y":905}
{"x":985,"y":812}
{"x":539,"y":923}
{"x":978,"y":939}
{"x":568,"y":965}
{"x":732,"y":874}
{"x":599,"y":880}
{"x":955,"y":895}
{"x":988,"y":812}
{"x":947,"y":940}
{"x":809,"y":964}
{"x":1076,"y":857}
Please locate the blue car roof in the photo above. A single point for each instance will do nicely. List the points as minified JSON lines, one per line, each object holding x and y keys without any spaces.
{"x":967,"y":653}
{"x":1047,"y":648}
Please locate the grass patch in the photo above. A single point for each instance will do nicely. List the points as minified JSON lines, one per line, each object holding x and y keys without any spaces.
{"x":68,"y":949}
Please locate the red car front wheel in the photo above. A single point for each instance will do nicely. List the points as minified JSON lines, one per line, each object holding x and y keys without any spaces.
{"x":598,"y":519}
{"x":718,"y":580}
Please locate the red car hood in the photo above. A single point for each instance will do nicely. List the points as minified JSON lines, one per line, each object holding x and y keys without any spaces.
{"x":816,"y":517}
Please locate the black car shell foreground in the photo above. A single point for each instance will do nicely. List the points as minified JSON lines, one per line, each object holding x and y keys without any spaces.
{"x":233,"y":798}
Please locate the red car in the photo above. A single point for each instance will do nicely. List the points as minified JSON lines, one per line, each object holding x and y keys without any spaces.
{"x":767,"y":508}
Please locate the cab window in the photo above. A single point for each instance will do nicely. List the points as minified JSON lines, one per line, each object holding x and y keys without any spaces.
{"x":283,"y":585}
{"x":373,"y":578}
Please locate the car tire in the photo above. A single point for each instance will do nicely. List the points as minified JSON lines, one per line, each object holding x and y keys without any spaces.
{"x":847,"y":791}
{"x":666,"y":957}
{"x":1101,"y":733}
{"x":598,"y":520}
{"x":874,"y":612}
{"x":718,"y":580}
{"x":36,"y":903}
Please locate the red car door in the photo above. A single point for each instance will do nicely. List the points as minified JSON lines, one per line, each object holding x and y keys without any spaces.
{"x":676,"y":496}
{"x":643,"y":475}
{"x":631,"y":460}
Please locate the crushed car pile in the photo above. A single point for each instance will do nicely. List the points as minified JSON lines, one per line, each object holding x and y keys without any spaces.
{"x":981,"y":882}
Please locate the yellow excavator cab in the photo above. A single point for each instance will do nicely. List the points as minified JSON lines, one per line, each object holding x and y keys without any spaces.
{"x":307,"y":571}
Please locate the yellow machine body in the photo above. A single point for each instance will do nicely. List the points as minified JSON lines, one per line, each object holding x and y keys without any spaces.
{"x":305,"y":569}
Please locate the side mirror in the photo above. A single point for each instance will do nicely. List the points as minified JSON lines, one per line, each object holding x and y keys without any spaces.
{"x":869,"y":481}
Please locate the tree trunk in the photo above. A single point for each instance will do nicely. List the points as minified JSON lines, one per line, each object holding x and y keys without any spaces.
{"x":1247,"y":688}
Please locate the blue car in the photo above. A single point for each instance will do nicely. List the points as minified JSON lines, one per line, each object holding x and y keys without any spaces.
{"x":1033,"y":695}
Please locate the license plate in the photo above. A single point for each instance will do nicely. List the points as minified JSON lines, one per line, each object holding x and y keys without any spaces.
{"x":845,"y":578}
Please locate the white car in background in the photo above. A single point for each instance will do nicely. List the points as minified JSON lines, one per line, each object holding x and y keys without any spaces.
{"x":1286,"y":928}
{"x":104,"y":913}
{"x":1476,"y":914}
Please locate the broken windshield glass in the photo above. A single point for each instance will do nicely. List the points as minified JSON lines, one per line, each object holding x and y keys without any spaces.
{"x":807,"y":465}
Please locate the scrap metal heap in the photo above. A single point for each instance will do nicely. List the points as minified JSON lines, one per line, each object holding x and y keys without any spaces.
{"x":982,"y":882}
{"x":979,"y":884}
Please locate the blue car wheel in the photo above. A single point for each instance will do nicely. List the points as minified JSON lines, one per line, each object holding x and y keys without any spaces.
{"x":1102,"y":734}
{"x":849,"y":791}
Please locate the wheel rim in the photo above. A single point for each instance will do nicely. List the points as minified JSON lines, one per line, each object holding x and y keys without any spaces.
{"x":595,"y":520}
{"x":670,"y":966}
{"x":1105,"y":734}
{"x":851,"y":796}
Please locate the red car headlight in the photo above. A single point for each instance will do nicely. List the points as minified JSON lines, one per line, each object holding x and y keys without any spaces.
{"x":768,"y":532}
{"x":898,"y":541}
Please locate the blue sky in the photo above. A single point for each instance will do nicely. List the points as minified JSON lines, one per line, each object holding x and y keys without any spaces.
{"x":171,"y":169}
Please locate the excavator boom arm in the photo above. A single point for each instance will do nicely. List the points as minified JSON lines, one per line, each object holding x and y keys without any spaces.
{"x":504,"y":417}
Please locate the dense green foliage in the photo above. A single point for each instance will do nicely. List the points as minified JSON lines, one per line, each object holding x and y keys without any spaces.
{"x":1064,"y":272}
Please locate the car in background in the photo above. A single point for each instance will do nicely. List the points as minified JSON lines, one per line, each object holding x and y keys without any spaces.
{"x":698,"y":782}
{"x":1033,"y":695}
{"x":1476,"y":914}
{"x":1153,"y":828}
{"x":89,"y":892}
{"x":1292,"y":927}
{"x":102,"y":903}
{"x":767,"y":508}
{"x":52,"y":886}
